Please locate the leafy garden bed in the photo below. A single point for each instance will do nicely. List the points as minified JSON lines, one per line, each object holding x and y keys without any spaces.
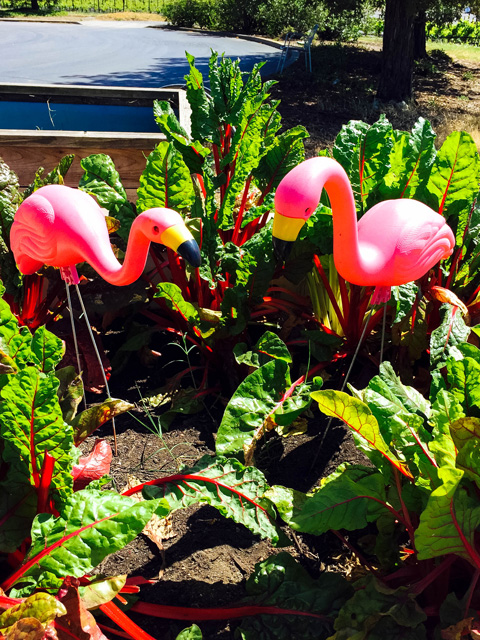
{"x":259,"y":518}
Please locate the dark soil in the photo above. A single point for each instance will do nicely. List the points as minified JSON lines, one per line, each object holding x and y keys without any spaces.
{"x":206,"y":559}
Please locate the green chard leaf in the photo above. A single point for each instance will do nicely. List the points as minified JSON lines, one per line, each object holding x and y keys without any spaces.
{"x":282,"y":582}
{"x":10,"y":199}
{"x":445,"y":339}
{"x":285,"y":153}
{"x":47,"y":349}
{"x":411,"y":160}
{"x":32,"y":425}
{"x":91,"y":525}
{"x":203,"y":118}
{"x":358,"y":416}
{"x":41,"y":606}
{"x":191,"y":633}
{"x":364,"y":153}
{"x":386,"y":613}
{"x":449,"y":521}
{"x":236,"y":491}
{"x":350,"y":500}
{"x":193,"y":153}
{"x":256,"y":398}
{"x":166,"y":180}
{"x":453,"y":183}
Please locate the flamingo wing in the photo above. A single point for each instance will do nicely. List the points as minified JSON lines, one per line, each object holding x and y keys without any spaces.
{"x":421,"y":246}
{"x":32,"y":235}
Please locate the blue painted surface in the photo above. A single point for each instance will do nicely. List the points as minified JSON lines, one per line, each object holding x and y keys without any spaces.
{"x":76,"y":117}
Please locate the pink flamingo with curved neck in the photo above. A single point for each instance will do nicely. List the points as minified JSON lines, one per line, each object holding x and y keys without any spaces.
{"x":395,"y":242}
{"x":60,"y":227}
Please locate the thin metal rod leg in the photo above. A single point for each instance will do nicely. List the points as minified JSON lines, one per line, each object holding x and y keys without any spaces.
{"x":327,"y":428}
{"x":384,"y":322}
{"x":74,"y":334}
{"x":97,"y":353}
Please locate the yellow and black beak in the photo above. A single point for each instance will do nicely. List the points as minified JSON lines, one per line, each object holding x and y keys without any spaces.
{"x":284,"y":233}
{"x":179,"y":238}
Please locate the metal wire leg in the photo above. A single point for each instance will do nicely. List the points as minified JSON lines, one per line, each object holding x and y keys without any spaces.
{"x":384,"y":321}
{"x":327,"y":428}
{"x":99,"y":362}
{"x":74,"y":334}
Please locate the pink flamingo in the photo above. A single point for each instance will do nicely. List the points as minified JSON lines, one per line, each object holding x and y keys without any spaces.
{"x":395,"y":242}
{"x":60,"y":227}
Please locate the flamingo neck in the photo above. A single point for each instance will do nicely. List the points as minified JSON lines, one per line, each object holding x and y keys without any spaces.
{"x":106,"y":264}
{"x":331,"y":176}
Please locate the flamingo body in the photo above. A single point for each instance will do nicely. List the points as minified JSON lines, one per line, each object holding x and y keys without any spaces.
{"x":395,"y":242}
{"x":60,"y":227}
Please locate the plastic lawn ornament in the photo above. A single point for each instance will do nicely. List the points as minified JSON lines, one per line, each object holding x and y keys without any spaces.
{"x":395,"y":242}
{"x":60,"y":227}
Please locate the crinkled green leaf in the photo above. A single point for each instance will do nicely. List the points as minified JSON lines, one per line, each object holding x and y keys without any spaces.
{"x":18,"y":506}
{"x":248,"y":147}
{"x":10,"y":198}
{"x":349,"y":501}
{"x":411,"y":160}
{"x":91,"y":525}
{"x":236,"y":491}
{"x":102,"y":180}
{"x":404,"y":296}
{"x":358,"y":416}
{"x":364,"y":153}
{"x":191,"y":633}
{"x":453,"y":183}
{"x":56,"y":175}
{"x":203,"y":121}
{"x":449,"y":521}
{"x":268,"y":347}
{"x":445,"y":411}
{"x":41,"y":606}
{"x":445,"y":339}
{"x":47,"y":349}
{"x":166,"y":180}
{"x":256,"y":398}
{"x":463,"y":377}
{"x":281,"y":581}
{"x":172,"y":294}
{"x":285,"y":153}
{"x":386,"y":613}
{"x":31,"y":425}
{"x":193,"y":153}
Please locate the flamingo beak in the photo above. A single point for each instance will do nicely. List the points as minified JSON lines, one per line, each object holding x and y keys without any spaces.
{"x":284,"y":233}
{"x":190,"y":252}
{"x":179,"y":238}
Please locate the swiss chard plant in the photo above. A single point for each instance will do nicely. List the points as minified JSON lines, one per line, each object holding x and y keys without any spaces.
{"x":222,"y":175}
{"x":58,"y":522}
{"x":417,"y":499}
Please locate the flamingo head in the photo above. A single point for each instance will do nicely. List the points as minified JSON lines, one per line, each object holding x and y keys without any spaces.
{"x":165,"y":226}
{"x":296,"y":198}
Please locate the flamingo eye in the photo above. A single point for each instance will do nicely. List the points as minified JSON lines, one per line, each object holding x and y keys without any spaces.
{"x":156,"y":230}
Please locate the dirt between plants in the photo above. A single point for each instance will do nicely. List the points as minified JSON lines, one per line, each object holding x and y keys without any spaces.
{"x":205,"y":559}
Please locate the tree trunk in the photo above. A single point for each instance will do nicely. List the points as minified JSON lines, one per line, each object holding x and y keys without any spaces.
{"x":420,"y":36}
{"x":397,"y":55}
{"x":35,"y":6}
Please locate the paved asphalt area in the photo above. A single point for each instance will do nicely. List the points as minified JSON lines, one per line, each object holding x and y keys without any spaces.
{"x":129,"y":54}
